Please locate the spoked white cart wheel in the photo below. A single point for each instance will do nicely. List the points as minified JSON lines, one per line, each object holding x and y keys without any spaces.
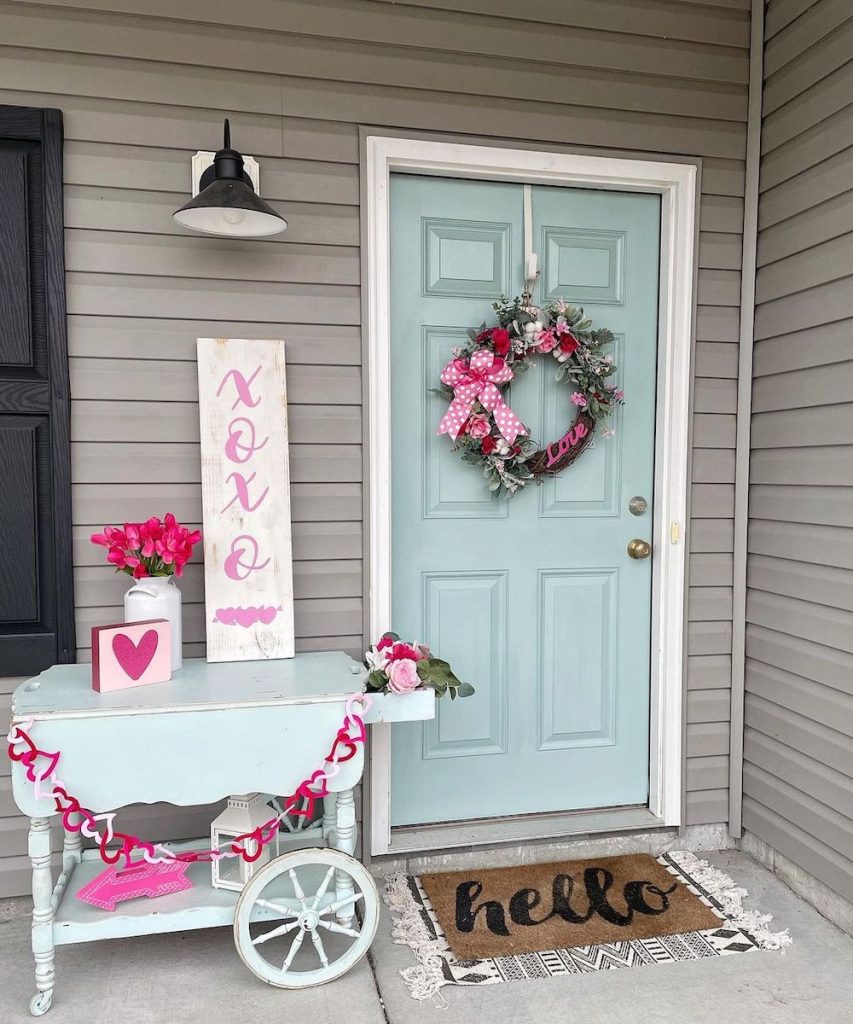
{"x":306,"y":918}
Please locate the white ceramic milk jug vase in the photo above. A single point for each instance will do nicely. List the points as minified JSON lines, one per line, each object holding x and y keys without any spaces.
{"x":157,"y":597}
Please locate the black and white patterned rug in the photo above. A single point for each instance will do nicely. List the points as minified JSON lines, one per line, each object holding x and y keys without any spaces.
{"x":416,"y":925}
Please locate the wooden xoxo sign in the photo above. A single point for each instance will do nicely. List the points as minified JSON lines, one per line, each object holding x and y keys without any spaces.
{"x":248,"y":571}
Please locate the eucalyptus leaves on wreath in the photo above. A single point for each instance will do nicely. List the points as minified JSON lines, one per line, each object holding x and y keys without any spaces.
{"x":485,"y":430}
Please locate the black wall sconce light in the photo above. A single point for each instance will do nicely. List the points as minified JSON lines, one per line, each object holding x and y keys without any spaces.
{"x":227,"y":203}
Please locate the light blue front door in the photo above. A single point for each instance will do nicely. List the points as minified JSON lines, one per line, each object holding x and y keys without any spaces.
{"x":533,"y":600}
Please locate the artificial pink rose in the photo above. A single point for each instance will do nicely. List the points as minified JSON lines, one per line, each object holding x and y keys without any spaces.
{"x":402,"y":676}
{"x":478,"y":426}
{"x":545,"y":341}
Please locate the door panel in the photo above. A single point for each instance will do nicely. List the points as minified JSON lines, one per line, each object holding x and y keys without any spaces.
{"x":534,"y":600}
{"x":576,"y":709}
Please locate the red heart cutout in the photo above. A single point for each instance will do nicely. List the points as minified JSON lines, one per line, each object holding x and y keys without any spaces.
{"x":44,"y":773}
{"x":342,"y":740}
{"x":25,"y":756}
{"x":318,"y":776}
{"x":135,"y":658}
{"x":127,"y":845}
{"x":291,"y":807}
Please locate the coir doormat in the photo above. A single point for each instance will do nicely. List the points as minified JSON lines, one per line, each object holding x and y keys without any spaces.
{"x":538,"y":921}
{"x":533,"y":907}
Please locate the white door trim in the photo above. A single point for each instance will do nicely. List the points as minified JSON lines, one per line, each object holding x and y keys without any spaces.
{"x":676,"y":183}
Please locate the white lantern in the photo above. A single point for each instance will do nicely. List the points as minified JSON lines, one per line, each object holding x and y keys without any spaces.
{"x":243,"y":813}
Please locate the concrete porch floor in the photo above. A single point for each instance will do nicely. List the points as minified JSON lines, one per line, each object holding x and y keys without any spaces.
{"x":197,"y":976}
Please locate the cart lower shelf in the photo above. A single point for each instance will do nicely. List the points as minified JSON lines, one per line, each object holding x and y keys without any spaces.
{"x":201,"y":906}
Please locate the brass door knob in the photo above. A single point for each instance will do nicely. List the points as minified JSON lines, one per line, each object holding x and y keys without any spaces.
{"x":639,"y":548}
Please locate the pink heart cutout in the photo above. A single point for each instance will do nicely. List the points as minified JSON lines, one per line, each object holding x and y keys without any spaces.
{"x":320,"y":778}
{"x":358,"y":722}
{"x":133,"y":658}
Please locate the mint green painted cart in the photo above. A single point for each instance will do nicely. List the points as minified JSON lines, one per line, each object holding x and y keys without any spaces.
{"x":304,"y":918}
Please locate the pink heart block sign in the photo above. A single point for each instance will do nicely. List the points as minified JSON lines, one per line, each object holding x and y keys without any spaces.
{"x":135,"y":658}
{"x":131,"y":654}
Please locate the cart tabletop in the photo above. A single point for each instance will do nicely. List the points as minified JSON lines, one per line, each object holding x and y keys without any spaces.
{"x":65,"y":691}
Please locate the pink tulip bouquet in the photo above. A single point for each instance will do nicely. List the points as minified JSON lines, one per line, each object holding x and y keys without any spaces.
{"x":399,"y":667}
{"x":151,"y":548}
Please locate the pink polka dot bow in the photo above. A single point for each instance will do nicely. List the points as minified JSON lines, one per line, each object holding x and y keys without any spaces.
{"x":475,"y":380}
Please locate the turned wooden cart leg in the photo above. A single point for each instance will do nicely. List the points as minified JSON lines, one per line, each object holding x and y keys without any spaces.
{"x":345,"y":835}
{"x":39,"y":850}
{"x":72,"y":845}
{"x":329,"y":802}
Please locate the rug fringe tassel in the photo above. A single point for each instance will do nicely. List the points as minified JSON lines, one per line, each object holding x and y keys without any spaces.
{"x":730,"y":896}
{"x":408,"y":929}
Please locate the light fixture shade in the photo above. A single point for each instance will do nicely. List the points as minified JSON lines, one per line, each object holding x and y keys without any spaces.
{"x":228,"y":207}
{"x":227,"y":203}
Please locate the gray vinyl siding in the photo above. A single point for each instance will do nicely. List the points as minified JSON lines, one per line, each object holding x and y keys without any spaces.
{"x":144,"y":85}
{"x":798,"y":741}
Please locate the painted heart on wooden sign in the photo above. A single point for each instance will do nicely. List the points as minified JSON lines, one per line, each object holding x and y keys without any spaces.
{"x":129,"y":654}
{"x":135,"y":658}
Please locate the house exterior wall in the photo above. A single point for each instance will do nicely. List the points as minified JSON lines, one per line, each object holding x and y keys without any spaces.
{"x":798,"y":740}
{"x":142,"y":86}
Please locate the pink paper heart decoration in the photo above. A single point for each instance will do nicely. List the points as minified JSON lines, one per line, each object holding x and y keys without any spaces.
{"x":360,"y":728}
{"x":135,"y":658}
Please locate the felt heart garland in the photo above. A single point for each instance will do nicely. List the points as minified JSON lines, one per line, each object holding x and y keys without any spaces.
{"x":41,"y":767}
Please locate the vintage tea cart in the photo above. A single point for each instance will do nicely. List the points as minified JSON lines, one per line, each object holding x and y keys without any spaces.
{"x":305,"y":917}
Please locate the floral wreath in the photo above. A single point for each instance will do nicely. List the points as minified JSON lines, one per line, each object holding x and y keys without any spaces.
{"x":485,"y":431}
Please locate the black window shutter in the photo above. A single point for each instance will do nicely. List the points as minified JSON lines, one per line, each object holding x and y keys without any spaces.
{"x":36,"y":581}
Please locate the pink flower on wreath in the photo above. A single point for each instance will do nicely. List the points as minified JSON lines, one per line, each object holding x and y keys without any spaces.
{"x":546,"y":341}
{"x":402,"y":676}
{"x":477,"y":426}
{"x":619,"y":394}
{"x":579,"y":400}
{"x":386,"y":641}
